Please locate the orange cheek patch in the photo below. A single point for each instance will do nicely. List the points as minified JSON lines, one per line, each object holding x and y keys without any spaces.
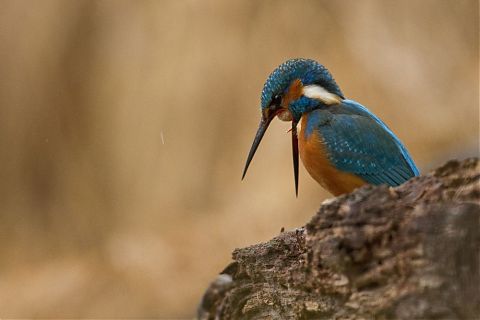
{"x":293,"y":93}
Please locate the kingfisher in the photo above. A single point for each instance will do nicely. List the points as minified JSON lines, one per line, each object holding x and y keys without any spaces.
{"x":341,"y":143}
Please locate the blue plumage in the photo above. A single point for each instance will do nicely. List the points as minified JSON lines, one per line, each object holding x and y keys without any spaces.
{"x":309,"y":71}
{"x":358,"y":142}
{"x":351,"y":146}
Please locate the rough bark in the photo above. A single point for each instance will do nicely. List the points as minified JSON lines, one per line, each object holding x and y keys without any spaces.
{"x":410,"y":252}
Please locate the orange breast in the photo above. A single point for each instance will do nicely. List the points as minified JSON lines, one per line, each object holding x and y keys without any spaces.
{"x":314,"y":158}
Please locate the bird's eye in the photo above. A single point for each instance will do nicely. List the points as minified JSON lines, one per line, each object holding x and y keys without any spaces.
{"x":276,"y":100}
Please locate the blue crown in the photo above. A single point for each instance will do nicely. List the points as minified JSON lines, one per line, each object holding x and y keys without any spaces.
{"x":307,"y":70}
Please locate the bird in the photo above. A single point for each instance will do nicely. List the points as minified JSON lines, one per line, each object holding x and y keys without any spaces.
{"x":342,"y":144}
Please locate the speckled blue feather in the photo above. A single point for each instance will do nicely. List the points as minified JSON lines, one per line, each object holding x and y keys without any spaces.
{"x":358,"y":142}
{"x":307,"y":70}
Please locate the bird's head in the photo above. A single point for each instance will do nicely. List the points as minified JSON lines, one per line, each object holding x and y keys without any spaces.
{"x":298,"y":86}
{"x":295,"y":87}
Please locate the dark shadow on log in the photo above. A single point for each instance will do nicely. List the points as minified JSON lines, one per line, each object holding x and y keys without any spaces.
{"x":410,"y":252}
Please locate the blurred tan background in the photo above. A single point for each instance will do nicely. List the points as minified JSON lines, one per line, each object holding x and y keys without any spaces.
{"x":124,"y":127}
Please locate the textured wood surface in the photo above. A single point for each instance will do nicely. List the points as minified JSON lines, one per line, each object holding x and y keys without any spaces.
{"x":410,"y":252}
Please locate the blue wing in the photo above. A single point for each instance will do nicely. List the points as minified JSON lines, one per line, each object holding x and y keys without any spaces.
{"x":358,"y":142}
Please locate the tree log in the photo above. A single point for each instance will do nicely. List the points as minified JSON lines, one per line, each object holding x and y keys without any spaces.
{"x":410,"y":252}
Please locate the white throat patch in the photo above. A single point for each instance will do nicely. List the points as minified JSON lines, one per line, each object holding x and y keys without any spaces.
{"x":315,"y":91}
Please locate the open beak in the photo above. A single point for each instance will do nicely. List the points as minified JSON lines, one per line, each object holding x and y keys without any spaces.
{"x":295,"y":155}
{"x":264,"y":123}
{"x":262,"y":128}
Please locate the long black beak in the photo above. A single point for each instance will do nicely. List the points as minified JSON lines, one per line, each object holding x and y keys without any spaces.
{"x":262,"y":128}
{"x":264,"y":123}
{"x":295,"y":155}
